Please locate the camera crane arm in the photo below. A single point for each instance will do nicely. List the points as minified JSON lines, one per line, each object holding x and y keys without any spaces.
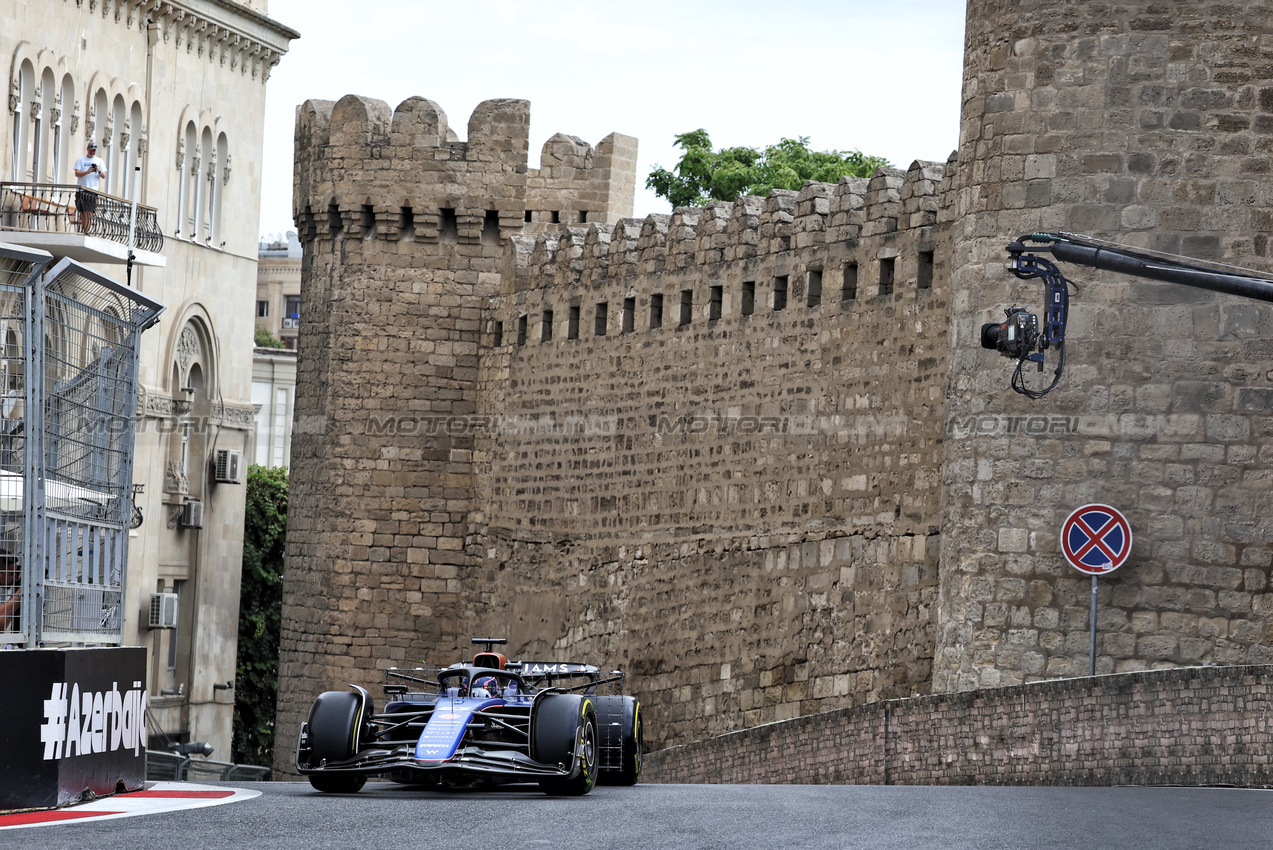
{"x":1019,"y":337}
{"x":1068,"y":248}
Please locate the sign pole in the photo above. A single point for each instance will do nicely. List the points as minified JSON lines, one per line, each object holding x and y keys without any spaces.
{"x":1092,"y":667}
{"x":1096,"y":540}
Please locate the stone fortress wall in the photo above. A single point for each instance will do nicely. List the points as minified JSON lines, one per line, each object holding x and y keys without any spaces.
{"x":764,"y":513}
{"x":714,"y":465}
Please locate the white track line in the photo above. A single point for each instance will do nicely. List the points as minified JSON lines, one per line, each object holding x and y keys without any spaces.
{"x":156,"y":797}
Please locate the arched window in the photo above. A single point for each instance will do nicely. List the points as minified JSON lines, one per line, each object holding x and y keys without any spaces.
{"x":218,"y":180}
{"x":203,"y":153}
{"x":197,"y":440}
{"x":41,"y":106}
{"x":21,"y":163}
{"x":193,"y":386}
{"x":64,"y":103}
{"x":113,"y":328}
{"x":100,"y":119}
{"x":210,"y":193}
{"x":187,"y":161}
{"x":115,"y":138}
{"x":130,"y":145}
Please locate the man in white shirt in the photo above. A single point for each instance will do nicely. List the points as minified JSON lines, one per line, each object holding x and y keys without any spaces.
{"x":90,"y":171}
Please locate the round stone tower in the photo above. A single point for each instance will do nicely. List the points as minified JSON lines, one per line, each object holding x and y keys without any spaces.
{"x":404,"y":229}
{"x":1147,"y":124}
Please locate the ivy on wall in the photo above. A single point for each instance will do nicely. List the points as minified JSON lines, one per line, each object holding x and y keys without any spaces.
{"x":260,"y":603}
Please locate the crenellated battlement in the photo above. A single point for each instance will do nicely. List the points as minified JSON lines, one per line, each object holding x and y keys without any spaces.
{"x":691,"y":239}
{"x":921,"y":195}
{"x":712,"y":234}
{"x":624,"y":241}
{"x":682,"y":238}
{"x":364,"y":171}
{"x":652,"y":244}
{"x":883,"y":201}
{"x":596,"y":254}
{"x":743,"y":232}
{"x":813,"y":207}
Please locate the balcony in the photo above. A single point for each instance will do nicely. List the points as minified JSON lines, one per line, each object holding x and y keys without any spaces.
{"x":83,"y":224}
{"x":291,"y":323}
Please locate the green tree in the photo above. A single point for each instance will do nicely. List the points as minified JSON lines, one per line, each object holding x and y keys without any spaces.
{"x":265,"y":338}
{"x":704,"y":175}
{"x":260,"y":604}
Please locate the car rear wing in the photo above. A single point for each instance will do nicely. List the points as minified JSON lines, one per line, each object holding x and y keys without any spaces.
{"x":400,"y":681}
{"x":549,"y":673}
{"x":615,"y":679}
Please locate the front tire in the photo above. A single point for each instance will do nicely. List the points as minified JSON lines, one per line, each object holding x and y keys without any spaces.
{"x":337,"y":783}
{"x":566,"y":734}
{"x":334,"y":724}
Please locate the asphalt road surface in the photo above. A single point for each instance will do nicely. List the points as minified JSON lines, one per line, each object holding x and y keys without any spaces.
{"x":291,"y":815}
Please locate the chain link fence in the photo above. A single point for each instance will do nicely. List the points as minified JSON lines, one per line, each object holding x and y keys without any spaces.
{"x":69,"y":343}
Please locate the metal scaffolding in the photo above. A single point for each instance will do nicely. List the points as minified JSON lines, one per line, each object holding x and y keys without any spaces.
{"x":69,"y":342}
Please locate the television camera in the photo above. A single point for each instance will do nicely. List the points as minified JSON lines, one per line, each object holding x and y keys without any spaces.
{"x":1026,"y":338}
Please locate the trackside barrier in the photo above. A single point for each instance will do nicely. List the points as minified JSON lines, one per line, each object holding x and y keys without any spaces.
{"x":171,"y":767}
{"x":74,"y":725}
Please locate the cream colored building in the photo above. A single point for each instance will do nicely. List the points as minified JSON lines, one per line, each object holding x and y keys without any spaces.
{"x":278,"y":309}
{"x":274,"y":394}
{"x":278,"y":288}
{"x":176,"y":89}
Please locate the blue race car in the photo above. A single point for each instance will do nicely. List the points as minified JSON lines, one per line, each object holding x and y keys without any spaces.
{"x":467,"y":726}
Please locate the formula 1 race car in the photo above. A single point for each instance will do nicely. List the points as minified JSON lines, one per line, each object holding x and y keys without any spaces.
{"x":468,"y":726}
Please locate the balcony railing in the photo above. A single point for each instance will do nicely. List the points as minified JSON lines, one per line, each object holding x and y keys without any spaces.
{"x":58,"y":208}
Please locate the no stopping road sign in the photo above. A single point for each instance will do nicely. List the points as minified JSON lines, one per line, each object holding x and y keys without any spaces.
{"x":1096,"y":539}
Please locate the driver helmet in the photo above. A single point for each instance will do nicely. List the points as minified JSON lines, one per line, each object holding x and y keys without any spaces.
{"x":489,"y":683}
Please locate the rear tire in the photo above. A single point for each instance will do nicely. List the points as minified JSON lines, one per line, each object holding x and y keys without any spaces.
{"x":566,"y":726}
{"x":625,"y":711}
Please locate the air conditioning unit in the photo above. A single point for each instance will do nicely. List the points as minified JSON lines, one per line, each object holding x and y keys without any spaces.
{"x":227,"y":467}
{"x":291,"y":324}
{"x":192,"y":515}
{"x":163,"y":610}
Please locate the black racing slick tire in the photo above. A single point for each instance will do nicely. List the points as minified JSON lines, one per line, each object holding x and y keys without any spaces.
{"x":334,"y":724}
{"x":621,"y":731}
{"x":565,"y":733}
{"x":337,"y":783}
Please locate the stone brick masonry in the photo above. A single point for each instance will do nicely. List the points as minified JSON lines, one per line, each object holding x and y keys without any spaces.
{"x":753,"y":453}
{"x":750,"y":478}
{"x":1148,"y":124}
{"x":1191,"y":726}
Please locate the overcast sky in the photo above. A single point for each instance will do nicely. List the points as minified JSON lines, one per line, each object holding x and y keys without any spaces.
{"x":882,"y":76}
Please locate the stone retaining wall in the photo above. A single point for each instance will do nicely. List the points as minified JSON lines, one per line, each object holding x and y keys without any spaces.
{"x":1191,"y":726}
